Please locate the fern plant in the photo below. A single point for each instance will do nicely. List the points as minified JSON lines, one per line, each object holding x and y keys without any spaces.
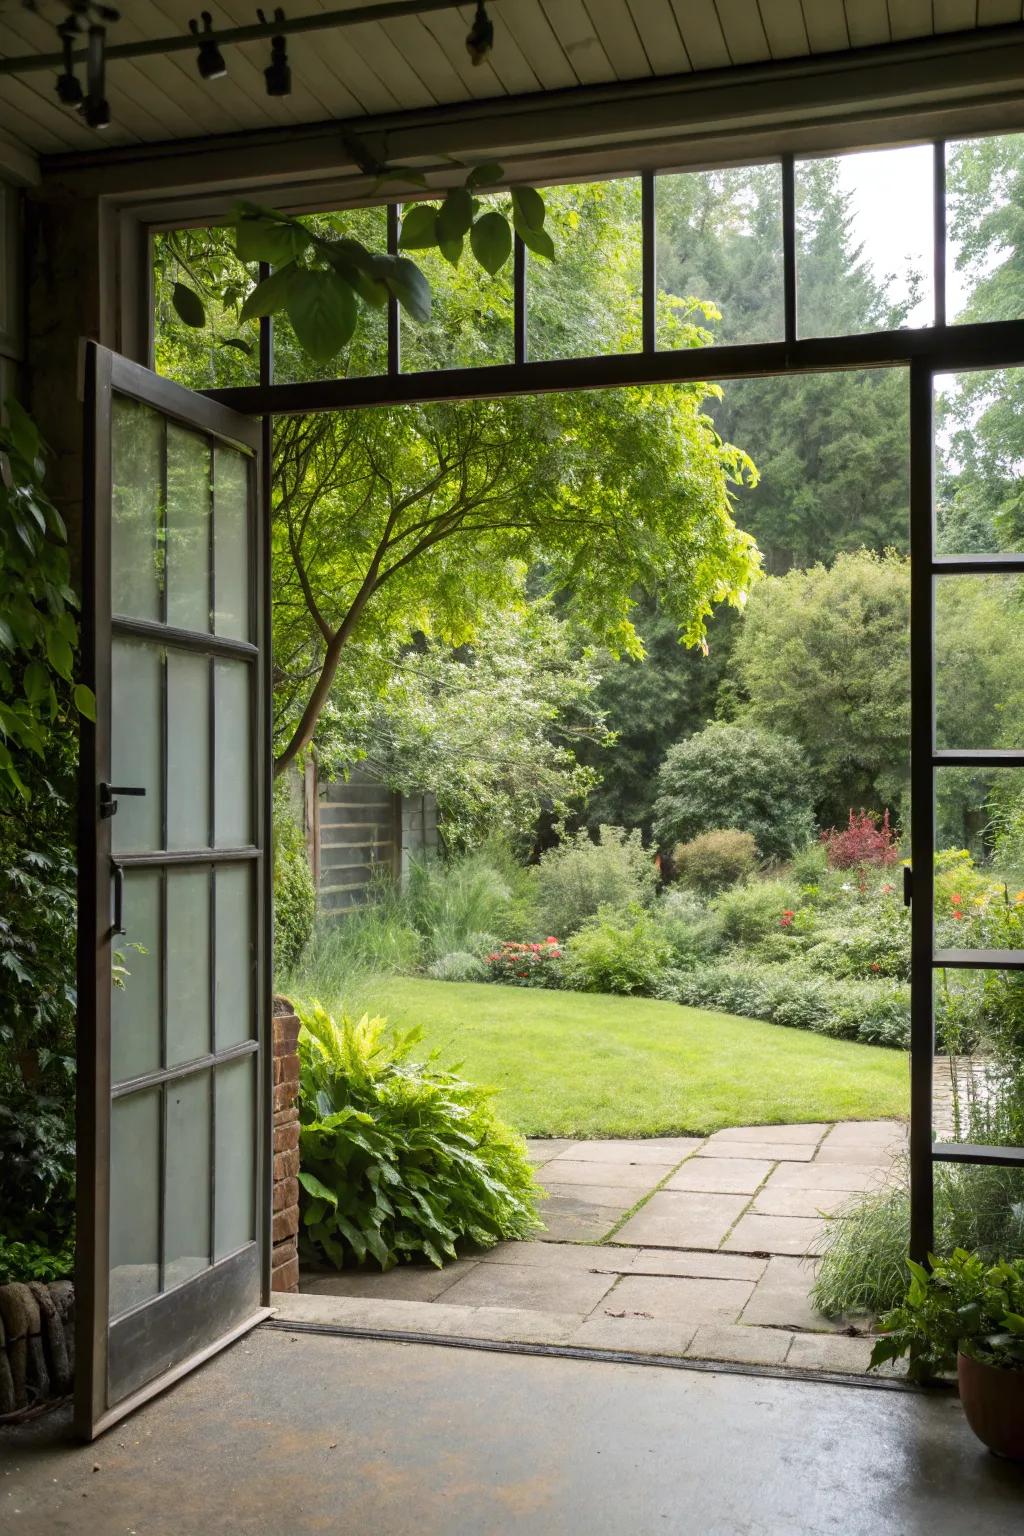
{"x":401,"y":1159}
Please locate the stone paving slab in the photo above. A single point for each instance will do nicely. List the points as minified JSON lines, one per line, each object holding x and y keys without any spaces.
{"x":743,"y":1346}
{"x":775,"y":1234}
{"x":781,"y":1299}
{"x":639,"y":1176}
{"x":779,"y":1200}
{"x":682,"y":1219}
{"x":568,"y":1219}
{"x":554,"y":1288}
{"x":853,"y":1177}
{"x":653,"y":1149}
{"x":857,"y":1153}
{"x":686,"y":1300}
{"x":772,"y":1151}
{"x":829,"y":1352}
{"x":407,"y":1282}
{"x":540,"y":1150}
{"x":776,"y":1133}
{"x":721,"y":1175}
{"x":888,"y":1131}
{"x":696,"y":1263}
{"x":605,"y":1260}
{"x":640,"y":1335}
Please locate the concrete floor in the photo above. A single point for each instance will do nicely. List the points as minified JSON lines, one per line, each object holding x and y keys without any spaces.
{"x":284,"y":1435}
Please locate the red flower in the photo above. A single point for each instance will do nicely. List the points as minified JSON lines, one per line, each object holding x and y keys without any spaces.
{"x":875,"y":965}
{"x":551,"y":941}
{"x":958,"y":917}
{"x":956,"y":900}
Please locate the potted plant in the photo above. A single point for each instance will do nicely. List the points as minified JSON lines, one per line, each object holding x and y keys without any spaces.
{"x":968,"y":1314}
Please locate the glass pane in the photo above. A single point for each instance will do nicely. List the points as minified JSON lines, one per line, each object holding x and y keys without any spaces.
{"x":188,"y":750}
{"x":134,"y":1199}
{"x":471,"y":320}
{"x":188,"y":529}
{"x":233,"y":755}
{"x":231,"y":543}
{"x":979,"y":661}
{"x":980,"y":1209}
{"x":979,"y":1072}
{"x":984,"y":190}
{"x":236,"y":1156}
{"x":188,"y":963}
{"x":864,"y":242}
{"x":135,"y":995}
{"x":187,"y":1179}
{"x":979,"y":462}
{"x":586,"y":303}
{"x":719,"y":240}
{"x":236,"y":957}
{"x":223,"y":352}
{"x":979,"y":858}
{"x":136,"y":522}
{"x":367,"y":352}
{"x":136,"y":733}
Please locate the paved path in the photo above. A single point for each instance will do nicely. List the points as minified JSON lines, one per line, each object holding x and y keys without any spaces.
{"x":701,"y":1248}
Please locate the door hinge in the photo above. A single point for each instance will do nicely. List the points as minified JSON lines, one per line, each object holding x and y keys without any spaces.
{"x":108,"y":805}
{"x":908,"y":885}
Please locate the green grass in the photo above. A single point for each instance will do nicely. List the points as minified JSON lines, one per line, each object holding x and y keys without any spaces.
{"x":572,"y":1064}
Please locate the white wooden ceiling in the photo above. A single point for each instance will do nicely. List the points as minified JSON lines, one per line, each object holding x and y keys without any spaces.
{"x":417,"y":62}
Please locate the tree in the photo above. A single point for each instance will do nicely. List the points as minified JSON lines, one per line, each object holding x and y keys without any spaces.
{"x":728,"y":777}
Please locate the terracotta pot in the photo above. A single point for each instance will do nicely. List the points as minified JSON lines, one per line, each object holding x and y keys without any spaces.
{"x":993,"y":1402}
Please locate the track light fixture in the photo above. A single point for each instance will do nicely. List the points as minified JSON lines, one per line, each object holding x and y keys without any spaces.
{"x":69,"y":88}
{"x":480,"y":37}
{"x":95,"y":107}
{"x":277,"y":74}
{"x":210,"y":63}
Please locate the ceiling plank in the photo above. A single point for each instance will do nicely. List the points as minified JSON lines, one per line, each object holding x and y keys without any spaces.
{"x":656,"y":23}
{"x":785,"y":28}
{"x":910,"y":18}
{"x":243,"y":84}
{"x":479,"y":82}
{"x":367,"y":58}
{"x":580,"y":42}
{"x":532,"y":30}
{"x":41,"y":125}
{"x":867,"y":22}
{"x":507,"y":59}
{"x":617,"y":33}
{"x":702,"y":33}
{"x":997,"y":13}
{"x":825,"y":20}
{"x":307,"y":101}
{"x":744,"y":32}
{"x":954,"y":15}
{"x":410,"y":38}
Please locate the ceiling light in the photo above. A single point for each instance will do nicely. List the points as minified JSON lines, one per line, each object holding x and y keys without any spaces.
{"x":210,"y":63}
{"x":480,"y":37}
{"x":95,"y":107}
{"x":69,"y":89}
{"x":278,"y":73}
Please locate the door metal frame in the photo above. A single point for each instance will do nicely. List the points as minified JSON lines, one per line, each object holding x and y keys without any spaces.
{"x":231,"y":1278}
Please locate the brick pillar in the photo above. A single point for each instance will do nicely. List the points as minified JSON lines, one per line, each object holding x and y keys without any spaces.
{"x":284,"y":1257}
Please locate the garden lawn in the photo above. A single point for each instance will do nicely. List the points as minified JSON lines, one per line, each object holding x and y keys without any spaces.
{"x":578,"y":1064}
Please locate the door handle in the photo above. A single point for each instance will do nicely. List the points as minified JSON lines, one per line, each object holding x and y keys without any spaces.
{"x":908,"y":884}
{"x":108,"y":805}
{"x":118,"y":872}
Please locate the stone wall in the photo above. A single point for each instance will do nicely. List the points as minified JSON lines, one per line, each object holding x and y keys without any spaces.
{"x":284,"y":1254}
{"x":37,"y":1343}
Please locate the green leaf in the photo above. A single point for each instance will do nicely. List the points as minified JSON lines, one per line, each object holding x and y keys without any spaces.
{"x":536,"y":240}
{"x":451,"y":250}
{"x":260,"y":237}
{"x":312,"y":1185}
{"x":419,"y":228}
{"x":485,"y":175}
{"x":528,"y":204}
{"x":322,"y":309}
{"x":59,"y":654}
{"x":491,"y":240}
{"x":188,"y":305}
{"x":455,"y":216}
{"x":236,"y":343}
{"x":23,"y":430}
{"x":409,"y":287}
{"x":85,"y":701}
{"x":36,"y":682}
{"x":271,"y":295}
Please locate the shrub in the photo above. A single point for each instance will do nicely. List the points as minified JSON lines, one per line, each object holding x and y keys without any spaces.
{"x":617,"y":952}
{"x":526,"y":965}
{"x":37,"y":1169}
{"x":727,"y":775}
{"x":750,"y":912}
{"x":447,"y":901}
{"x":865,"y":840}
{"x":693,"y":932}
{"x":460,"y":965}
{"x":715,"y":859}
{"x":580,"y":875}
{"x":35,"y":1261}
{"x":876,"y":947}
{"x":788,"y":994}
{"x":294,"y":891}
{"x":809,"y":864}
{"x":400,"y":1159}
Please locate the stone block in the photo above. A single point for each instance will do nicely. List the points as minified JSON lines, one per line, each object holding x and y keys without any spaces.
{"x":286,"y":1193}
{"x":52,"y":1333}
{"x":286,"y":1277}
{"x":775,"y":1234}
{"x":286,"y":1069}
{"x":830,"y":1352}
{"x":554,"y":1288}
{"x":721,"y":1175}
{"x":289,"y":1115}
{"x":286,"y":1164}
{"x":285,"y":1224}
{"x":744,"y":1346}
{"x":625,"y":1175}
{"x":693,"y":1301}
{"x":285,"y":1095}
{"x":286,"y":1136}
{"x":683,"y":1219}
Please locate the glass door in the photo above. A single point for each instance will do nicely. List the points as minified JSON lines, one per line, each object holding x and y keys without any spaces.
{"x":173,"y":899}
{"x":967,"y":809}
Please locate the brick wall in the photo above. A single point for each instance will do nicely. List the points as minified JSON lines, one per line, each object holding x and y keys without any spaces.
{"x":284,"y":1254}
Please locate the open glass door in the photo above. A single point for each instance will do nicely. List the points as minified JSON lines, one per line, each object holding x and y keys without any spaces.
{"x":967,"y":777}
{"x":173,"y":1226}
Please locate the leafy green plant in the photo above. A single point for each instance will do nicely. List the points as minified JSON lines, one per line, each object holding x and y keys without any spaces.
{"x":527,"y":964}
{"x":615,"y":951}
{"x":876,"y":1013}
{"x":294,"y":891}
{"x":401,"y":1159}
{"x":751,"y":911}
{"x":460,"y":965}
{"x":581,"y":874}
{"x":963,"y":1305}
{"x":22,"y":1262}
{"x":692,"y":931}
{"x":37,"y":1167}
{"x":715,"y":859}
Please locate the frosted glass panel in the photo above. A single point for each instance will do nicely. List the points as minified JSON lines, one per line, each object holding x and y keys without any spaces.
{"x":134,"y":1199}
{"x":233,"y":755}
{"x":188,"y":750}
{"x":188,"y":963}
{"x":188,"y":529}
{"x":231,"y":543}
{"x":236,"y":1156}
{"x":187,"y":1179}
{"x":135,"y":996}
{"x":235,"y":955}
{"x":135,"y":737}
{"x":137,"y":480}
